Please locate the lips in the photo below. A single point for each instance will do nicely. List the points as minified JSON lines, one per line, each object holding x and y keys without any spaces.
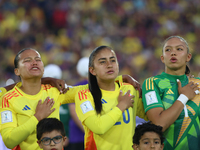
{"x":173,"y":59}
{"x":110,"y":72}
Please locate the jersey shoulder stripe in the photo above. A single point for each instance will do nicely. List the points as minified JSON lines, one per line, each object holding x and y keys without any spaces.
{"x":149,"y":83}
{"x":125,"y":84}
{"x":82,"y":94}
{"x":82,"y":91}
{"x":8,"y":96}
{"x":46,"y":86}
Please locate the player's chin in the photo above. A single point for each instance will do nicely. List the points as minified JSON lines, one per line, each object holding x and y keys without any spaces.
{"x":174,"y":67}
{"x":37,"y":75}
{"x":111,"y":77}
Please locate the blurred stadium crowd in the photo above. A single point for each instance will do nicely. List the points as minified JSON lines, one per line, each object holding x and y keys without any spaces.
{"x":63,"y":31}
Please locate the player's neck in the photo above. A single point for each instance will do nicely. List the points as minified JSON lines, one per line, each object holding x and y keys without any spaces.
{"x":175,"y":72}
{"x":31,"y":87}
{"x":108,"y":86}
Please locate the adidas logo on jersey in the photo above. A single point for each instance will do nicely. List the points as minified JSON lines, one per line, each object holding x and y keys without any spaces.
{"x":103,"y":101}
{"x":26,"y":108}
{"x":170,"y":92}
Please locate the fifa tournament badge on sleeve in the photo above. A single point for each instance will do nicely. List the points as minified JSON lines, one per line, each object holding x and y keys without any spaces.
{"x":6,"y":116}
{"x":151,"y":98}
{"x":86,"y":106}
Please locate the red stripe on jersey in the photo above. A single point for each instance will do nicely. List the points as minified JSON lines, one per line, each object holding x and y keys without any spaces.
{"x":8,"y":96}
{"x":90,"y":143}
{"x":121,"y":84}
{"x":5,"y":102}
{"x":16,"y":148}
{"x":126,"y":84}
{"x":18,"y":92}
{"x":46,"y":86}
{"x":82,"y":94}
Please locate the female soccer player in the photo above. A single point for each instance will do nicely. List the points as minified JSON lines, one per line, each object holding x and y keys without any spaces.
{"x":107,"y":109}
{"x":28,"y":102}
{"x":170,"y":105}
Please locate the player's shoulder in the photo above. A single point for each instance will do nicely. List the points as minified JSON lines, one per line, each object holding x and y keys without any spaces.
{"x":47,"y":87}
{"x":79,"y":87}
{"x":2,"y":91}
{"x":9,"y":97}
{"x":195,"y":79}
{"x":153,"y":79}
{"x":126,"y":86}
{"x":85,"y":86}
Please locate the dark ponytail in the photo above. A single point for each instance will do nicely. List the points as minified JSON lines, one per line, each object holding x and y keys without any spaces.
{"x":187,"y":70}
{"x":92,"y":81}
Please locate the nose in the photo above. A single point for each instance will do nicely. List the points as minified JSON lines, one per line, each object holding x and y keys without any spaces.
{"x":173,"y":52}
{"x":52,"y":142}
{"x":152,"y":145}
{"x":34,"y":62}
{"x":109,"y":64}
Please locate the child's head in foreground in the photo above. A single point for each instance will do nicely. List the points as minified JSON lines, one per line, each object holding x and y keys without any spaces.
{"x":148,"y":136}
{"x":51,"y":134}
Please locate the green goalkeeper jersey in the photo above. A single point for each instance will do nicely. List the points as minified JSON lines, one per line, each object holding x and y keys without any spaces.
{"x":162,"y":91}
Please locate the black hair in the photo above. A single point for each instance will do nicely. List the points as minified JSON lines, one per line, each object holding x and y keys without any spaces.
{"x":92,"y":80}
{"x":16,"y":60}
{"x":47,"y":125}
{"x":141,"y":129}
{"x":187,"y":70}
{"x":176,"y":36}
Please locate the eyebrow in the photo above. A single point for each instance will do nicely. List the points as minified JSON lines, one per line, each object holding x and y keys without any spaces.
{"x":105,"y":58}
{"x":52,"y":137}
{"x":148,"y":139}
